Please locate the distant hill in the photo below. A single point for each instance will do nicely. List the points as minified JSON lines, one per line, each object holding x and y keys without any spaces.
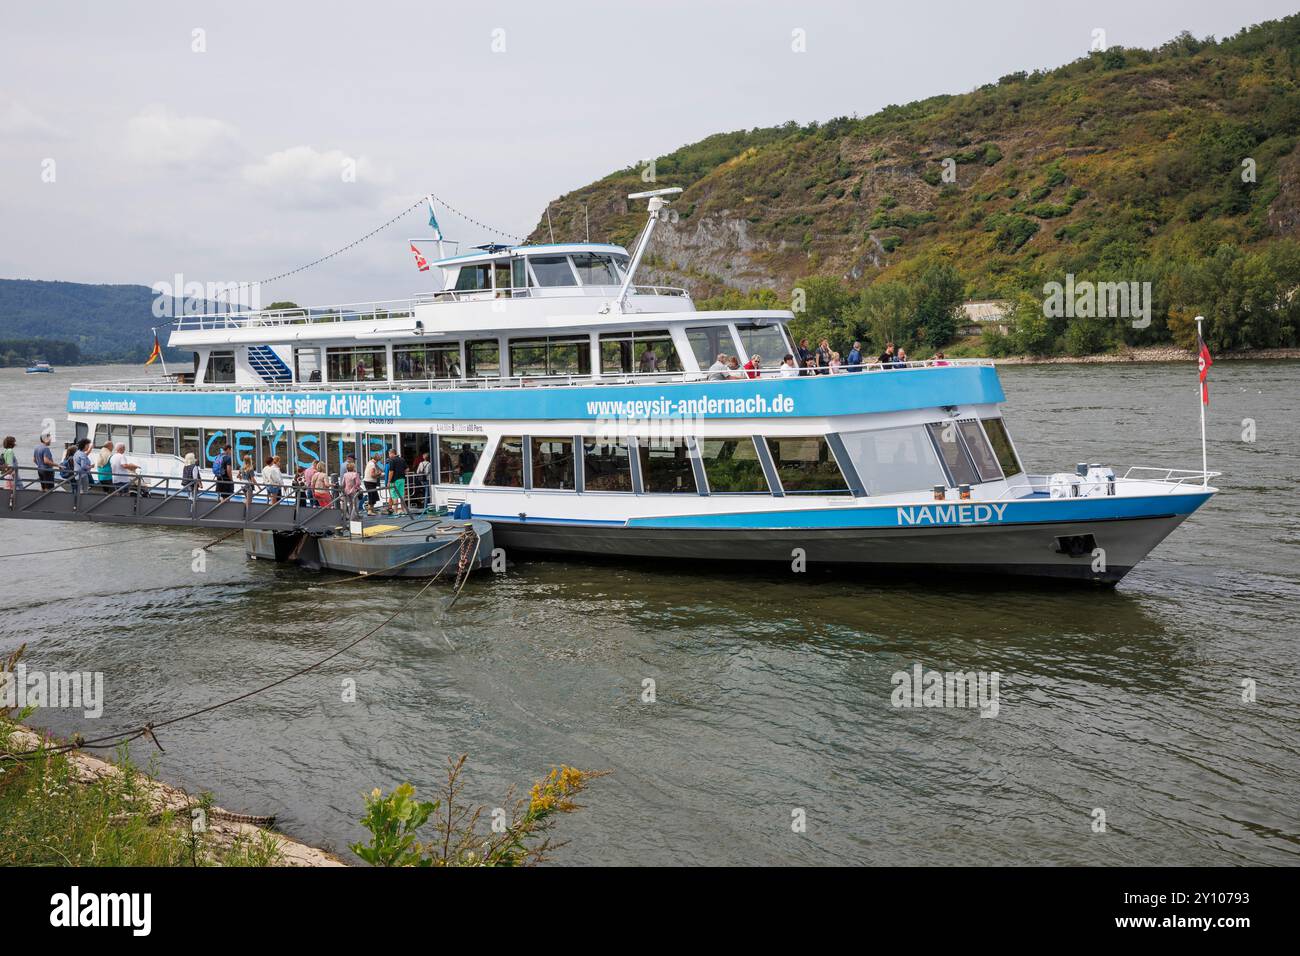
{"x":107,"y":323}
{"x":1175,"y":166}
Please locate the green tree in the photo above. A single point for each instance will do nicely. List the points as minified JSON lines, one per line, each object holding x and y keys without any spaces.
{"x":938,"y":304}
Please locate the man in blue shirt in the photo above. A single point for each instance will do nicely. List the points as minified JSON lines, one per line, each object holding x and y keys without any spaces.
{"x":44,"y":460}
{"x":855,"y":357}
{"x":221,"y":473}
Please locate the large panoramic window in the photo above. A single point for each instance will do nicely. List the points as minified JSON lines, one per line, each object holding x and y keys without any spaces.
{"x":708,"y":342}
{"x":553,"y":463}
{"x":651,"y":350}
{"x":552,"y":271}
{"x":482,"y":359}
{"x":164,"y":441}
{"x":986,"y":463}
{"x":894,"y":460}
{"x":221,"y":368}
{"x":555,"y":355}
{"x":473,"y":277}
{"x":806,"y":465}
{"x":666,"y":467}
{"x":998,"y":438}
{"x":458,"y":456}
{"x":353,"y":364}
{"x":426,"y":361}
{"x":595,"y":269}
{"x":606,"y":465}
{"x":948,"y":441}
{"x":732,"y":466}
{"x":507,"y":467}
{"x":765,"y":340}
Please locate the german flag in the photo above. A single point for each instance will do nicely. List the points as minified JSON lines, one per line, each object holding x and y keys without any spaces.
{"x":157,"y":351}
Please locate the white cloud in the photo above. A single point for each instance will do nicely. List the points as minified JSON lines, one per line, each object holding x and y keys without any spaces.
{"x":159,"y":137}
{"x":306,"y":176}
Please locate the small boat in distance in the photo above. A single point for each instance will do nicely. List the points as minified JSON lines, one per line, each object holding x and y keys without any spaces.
{"x":40,"y":367}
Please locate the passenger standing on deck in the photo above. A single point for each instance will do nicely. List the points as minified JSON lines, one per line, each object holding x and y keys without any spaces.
{"x":886,"y":358}
{"x":423,"y":481}
{"x":104,"y":465}
{"x":221,"y":473}
{"x":320,"y":484}
{"x":351,"y":483}
{"x":855,"y":357}
{"x":804,"y":353}
{"x":835,"y":366}
{"x":123,"y":470}
{"x":371,"y":480}
{"x":9,"y":462}
{"x":191,"y":477}
{"x":788,"y":368}
{"x":823,"y":357}
{"x":396,"y":481}
{"x":44,"y":460}
{"x":718,"y":370}
{"x":82,"y":466}
{"x":901,"y":360}
{"x":273,"y":479}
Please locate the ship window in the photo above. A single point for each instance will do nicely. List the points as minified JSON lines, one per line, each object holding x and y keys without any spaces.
{"x":893,"y":460}
{"x":164,"y":441}
{"x":552,"y":271}
{"x":474,"y":277}
{"x":986,"y":463}
{"x":1001,"y":442}
{"x":562,"y":355}
{"x":507,"y":467}
{"x":666,"y":467}
{"x":117,"y":434}
{"x":458,"y":456}
{"x":276,"y":444}
{"x":519,"y":274}
{"x":949,"y":445}
{"x":306,"y":451}
{"x":806,"y":465}
{"x":306,"y":363}
{"x":708,"y":342}
{"x":553,"y":463}
{"x":732,"y":466}
{"x":221,"y":368}
{"x":140,"y":439}
{"x":595,"y":270}
{"x":213,"y":440}
{"x":101,"y":435}
{"x":338,"y":445}
{"x":245,"y":443}
{"x":621,"y":262}
{"x":606,"y":465}
{"x":765,"y":340}
{"x":441,"y":361}
{"x":651,"y":350}
{"x":482,"y":359}
{"x":190,"y":444}
{"x":352,"y":364}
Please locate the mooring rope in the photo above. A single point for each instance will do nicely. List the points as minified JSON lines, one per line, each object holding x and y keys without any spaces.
{"x":148,"y":730}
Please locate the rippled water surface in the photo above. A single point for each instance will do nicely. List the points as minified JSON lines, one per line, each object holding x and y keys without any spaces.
{"x":773,"y":690}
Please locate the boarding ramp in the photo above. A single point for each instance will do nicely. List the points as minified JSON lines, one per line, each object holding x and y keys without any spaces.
{"x":168,"y":501}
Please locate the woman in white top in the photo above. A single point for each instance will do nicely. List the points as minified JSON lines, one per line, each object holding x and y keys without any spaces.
{"x":273,"y":479}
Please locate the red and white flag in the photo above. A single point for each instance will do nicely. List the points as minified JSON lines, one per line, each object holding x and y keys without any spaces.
{"x":420,"y":262}
{"x":1204,"y":362}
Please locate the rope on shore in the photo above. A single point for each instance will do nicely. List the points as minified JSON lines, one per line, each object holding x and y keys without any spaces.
{"x":110,"y":741}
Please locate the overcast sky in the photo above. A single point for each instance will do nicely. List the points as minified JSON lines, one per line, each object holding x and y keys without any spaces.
{"x":229,"y":164}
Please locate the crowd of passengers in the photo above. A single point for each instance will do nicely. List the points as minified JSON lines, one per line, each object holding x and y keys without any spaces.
{"x":381,"y":484}
{"x":822,"y":360}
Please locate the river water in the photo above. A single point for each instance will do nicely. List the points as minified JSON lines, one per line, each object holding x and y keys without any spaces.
{"x":772,"y":691}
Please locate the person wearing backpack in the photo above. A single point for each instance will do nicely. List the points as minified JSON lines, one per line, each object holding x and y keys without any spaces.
{"x":191,"y":475}
{"x":221,"y":474}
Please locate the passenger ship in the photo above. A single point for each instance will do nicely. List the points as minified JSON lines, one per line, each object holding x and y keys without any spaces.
{"x":575,"y":411}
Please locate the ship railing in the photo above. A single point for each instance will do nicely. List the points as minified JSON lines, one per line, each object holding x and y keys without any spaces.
{"x":493,"y":381}
{"x":151,"y":493}
{"x":548,"y":292}
{"x":305,"y":315}
{"x":1136,"y":480}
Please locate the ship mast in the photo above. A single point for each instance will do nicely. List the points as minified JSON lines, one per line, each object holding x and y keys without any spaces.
{"x":656,"y":208}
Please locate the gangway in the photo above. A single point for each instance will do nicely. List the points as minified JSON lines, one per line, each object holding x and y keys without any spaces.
{"x":169,"y":501}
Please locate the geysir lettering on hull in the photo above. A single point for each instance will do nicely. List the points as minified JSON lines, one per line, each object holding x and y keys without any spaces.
{"x":951,"y":514}
{"x":338,"y":405}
